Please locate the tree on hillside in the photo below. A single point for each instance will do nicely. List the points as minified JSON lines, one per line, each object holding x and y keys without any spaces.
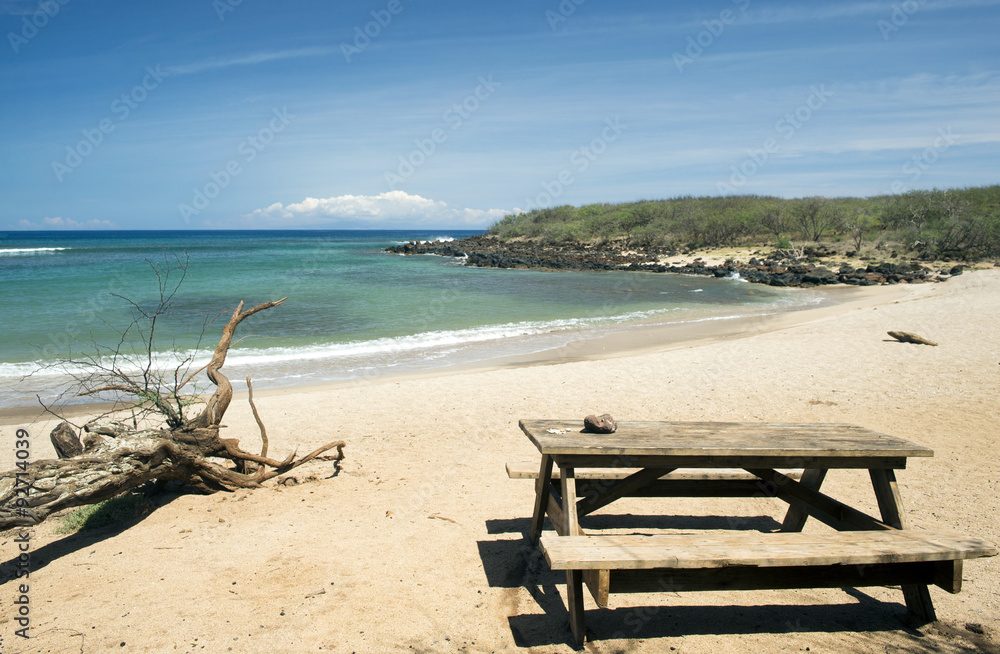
{"x":858,"y":223}
{"x":774,"y":219}
{"x":813,"y":217}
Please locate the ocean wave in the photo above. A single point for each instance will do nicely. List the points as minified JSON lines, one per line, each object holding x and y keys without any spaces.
{"x":16,"y":251}
{"x":431,"y":342}
{"x":133,"y":365}
{"x":426,"y":345}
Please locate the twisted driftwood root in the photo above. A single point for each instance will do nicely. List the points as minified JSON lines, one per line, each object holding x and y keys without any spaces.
{"x":113,"y":459}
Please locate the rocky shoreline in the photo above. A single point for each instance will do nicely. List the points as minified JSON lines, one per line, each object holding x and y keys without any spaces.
{"x":816,"y":266}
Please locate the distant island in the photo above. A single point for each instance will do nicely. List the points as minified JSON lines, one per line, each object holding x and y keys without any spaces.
{"x":914,"y":237}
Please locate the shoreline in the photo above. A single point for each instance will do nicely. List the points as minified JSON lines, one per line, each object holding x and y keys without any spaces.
{"x":631,"y":340}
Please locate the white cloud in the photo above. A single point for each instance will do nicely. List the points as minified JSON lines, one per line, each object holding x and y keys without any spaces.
{"x":247,"y":60}
{"x":19,"y":7}
{"x":65,"y":223}
{"x":797,"y":13}
{"x":390,"y":209}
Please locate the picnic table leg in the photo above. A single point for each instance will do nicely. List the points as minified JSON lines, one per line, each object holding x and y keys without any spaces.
{"x":890,"y":503}
{"x":795,"y":519}
{"x":574,"y":602}
{"x":574,"y":578}
{"x":570,"y":516}
{"x":541,"y":498}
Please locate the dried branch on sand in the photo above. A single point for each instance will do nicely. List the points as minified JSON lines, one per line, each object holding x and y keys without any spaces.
{"x":113,"y":458}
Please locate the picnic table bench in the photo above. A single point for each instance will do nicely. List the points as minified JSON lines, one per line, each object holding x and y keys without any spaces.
{"x":580,"y":473}
{"x":673,"y":484}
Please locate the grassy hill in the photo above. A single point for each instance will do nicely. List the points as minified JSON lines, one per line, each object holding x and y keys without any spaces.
{"x":954,"y":223}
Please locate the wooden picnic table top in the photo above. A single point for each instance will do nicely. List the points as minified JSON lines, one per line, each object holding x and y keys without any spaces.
{"x":719,"y":440}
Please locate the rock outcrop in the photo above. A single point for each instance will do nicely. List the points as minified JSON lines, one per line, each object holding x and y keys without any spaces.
{"x":777,"y":269}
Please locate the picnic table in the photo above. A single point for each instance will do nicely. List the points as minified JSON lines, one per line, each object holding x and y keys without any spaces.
{"x":582,"y":472}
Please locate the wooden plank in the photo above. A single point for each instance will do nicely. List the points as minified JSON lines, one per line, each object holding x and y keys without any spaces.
{"x":795,"y":518}
{"x":619,"y":489}
{"x":570,"y":519}
{"x":751,"y":486}
{"x":822,"y":507}
{"x":529,"y":470}
{"x":714,"y":439}
{"x":574,"y":578}
{"x":716,"y":549}
{"x":555,"y":513}
{"x":773,"y":578}
{"x":542,"y":484}
{"x":598,"y":582}
{"x":948,"y":576}
{"x":890,"y":503}
{"x":747,"y":460}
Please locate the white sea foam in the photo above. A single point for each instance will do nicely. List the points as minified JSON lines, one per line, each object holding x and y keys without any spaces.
{"x":431,"y":342}
{"x":735,"y":276}
{"x":16,"y":251}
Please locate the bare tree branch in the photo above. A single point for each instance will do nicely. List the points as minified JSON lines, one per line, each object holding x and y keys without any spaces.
{"x":117,"y":458}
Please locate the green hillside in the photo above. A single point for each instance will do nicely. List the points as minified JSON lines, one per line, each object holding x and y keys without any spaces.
{"x":956,"y":223}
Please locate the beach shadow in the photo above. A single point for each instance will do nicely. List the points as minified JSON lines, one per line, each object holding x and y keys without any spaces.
{"x":678,"y":621}
{"x":515,"y":564}
{"x":55,"y":550}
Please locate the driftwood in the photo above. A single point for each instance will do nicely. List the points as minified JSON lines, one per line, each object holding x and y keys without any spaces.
{"x":907,"y":337}
{"x":113,"y":459}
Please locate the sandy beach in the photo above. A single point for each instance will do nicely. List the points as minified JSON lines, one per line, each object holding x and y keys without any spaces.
{"x":418,"y":544}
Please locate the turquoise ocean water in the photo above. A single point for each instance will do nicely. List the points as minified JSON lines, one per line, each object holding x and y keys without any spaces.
{"x":352,"y":311}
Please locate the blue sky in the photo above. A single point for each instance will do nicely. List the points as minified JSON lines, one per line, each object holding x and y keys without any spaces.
{"x":222,"y":114}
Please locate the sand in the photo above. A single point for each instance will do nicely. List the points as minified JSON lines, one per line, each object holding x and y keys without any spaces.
{"x":418,"y":543}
